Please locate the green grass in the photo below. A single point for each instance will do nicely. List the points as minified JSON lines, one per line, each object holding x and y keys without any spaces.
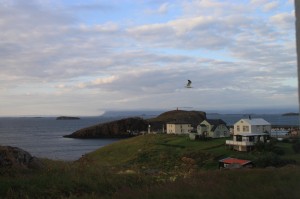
{"x":154,"y":166}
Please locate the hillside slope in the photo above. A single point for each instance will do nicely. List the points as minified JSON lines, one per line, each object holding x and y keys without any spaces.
{"x":126,"y":127}
{"x":153,"y":166}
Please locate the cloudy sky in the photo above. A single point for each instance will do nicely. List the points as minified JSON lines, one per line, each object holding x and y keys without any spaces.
{"x":81,"y":57}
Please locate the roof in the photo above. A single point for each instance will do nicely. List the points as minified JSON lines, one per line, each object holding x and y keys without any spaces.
{"x":230,"y":160}
{"x":256,"y":121}
{"x":178,"y":122}
{"x":251,"y":134}
{"x":215,"y":121}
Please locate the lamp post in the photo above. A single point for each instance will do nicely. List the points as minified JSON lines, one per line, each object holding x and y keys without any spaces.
{"x":149,"y":129}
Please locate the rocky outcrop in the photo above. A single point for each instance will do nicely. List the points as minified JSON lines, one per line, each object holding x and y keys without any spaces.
{"x":133,"y":126}
{"x":115,"y":129}
{"x":13,"y":157}
{"x":192,"y":117}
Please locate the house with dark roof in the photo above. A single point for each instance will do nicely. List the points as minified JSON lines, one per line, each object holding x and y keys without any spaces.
{"x":214,"y":128}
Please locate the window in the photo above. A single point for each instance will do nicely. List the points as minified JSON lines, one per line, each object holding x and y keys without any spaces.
{"x":238,"y":128}
{"x":251,"y":139}
{"x":245,"y":128}
{"x":239,"y":138}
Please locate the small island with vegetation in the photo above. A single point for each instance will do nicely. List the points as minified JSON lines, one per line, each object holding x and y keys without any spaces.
{"x":290,"y":114}
{"x":67,"y":118}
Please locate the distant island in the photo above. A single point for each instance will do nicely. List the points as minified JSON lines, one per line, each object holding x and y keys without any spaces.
{"x":290,"y":114}
{"x":67,"y":118}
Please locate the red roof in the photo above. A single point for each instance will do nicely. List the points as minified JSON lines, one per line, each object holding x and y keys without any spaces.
{"x":234,"y":161}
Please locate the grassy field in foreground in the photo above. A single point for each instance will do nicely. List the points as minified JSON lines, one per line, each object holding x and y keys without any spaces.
{"x":155,"y":166}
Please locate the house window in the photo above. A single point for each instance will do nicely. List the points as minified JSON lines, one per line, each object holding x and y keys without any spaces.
{"x":245,"y":128}
{"x":239,"y":138}
{"x":238,"y":128}
{"x":251,"y":139}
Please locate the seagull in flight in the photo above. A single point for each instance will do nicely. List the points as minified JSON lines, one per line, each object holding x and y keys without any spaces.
{"x":188,"y":85}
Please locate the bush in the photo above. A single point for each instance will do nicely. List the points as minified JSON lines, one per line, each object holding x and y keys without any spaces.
{"x":272,"y":159}
{"x":269,"y":147}
{"x":296,"y":147}
{"x":278,"y":150}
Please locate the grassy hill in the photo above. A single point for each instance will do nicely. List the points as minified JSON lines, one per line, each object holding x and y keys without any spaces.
{"x":157,"y":166}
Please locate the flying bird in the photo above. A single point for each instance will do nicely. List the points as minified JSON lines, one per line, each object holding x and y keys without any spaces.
{"x":188,"y":85}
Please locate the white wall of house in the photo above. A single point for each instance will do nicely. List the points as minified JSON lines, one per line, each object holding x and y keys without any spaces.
{"x":203,"y":127}
{"x":179,"y":128}
{"x":256,"y":125}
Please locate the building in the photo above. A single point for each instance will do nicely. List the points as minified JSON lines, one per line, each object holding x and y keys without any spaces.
{"x":256,"y":125}
{"x":234,"y":163}
{"x":179,"y":128}
{"x":247,"y":132}
{"x":214,"y":128}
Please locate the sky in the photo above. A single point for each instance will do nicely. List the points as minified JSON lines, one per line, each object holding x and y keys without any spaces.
{"x":84,"y":57}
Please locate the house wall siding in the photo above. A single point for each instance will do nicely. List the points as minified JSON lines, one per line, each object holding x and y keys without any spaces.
{"x":220,"y":131}
{"x":178,"y":128}
{"x":242,"y":126}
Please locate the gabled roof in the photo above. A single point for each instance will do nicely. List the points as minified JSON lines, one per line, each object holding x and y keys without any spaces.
{"x":230,"y":160}
{"x":178,"y":122}
{"x":256,"y":121}
{"x":215,"y":121}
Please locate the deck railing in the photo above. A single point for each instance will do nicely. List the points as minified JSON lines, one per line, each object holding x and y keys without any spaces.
{"x":239,"y":143}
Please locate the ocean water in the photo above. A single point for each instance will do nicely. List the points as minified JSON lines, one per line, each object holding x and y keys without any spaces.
{"x":273,"y":119}
{"x":43,"y":136}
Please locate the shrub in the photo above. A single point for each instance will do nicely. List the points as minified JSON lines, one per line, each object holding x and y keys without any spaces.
{"x":269,"y":147}
{"x":278,"y":150}
{"x":271,"y":159}
{"x":296,"y":147}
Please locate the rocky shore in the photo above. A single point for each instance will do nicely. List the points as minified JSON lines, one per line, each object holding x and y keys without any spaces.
{"x":14,"y":157}
{"x":116,"y":129}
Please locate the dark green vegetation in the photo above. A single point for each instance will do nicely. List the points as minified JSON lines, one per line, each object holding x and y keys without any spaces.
{"x":158,"y":166}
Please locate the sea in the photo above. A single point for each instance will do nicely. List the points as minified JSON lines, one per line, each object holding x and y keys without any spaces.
{"x":43,"y":136}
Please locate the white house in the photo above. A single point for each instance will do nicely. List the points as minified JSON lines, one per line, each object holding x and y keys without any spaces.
{"x":179,"y":128}
{"x":247,"y":132}
{"x":214,"y":128}
{"x":255,"y":125}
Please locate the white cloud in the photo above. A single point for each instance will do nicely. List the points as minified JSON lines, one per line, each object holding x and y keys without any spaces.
{"x":271,"y":5}
{"x":285,"y":20}
{"x":225,"y":48}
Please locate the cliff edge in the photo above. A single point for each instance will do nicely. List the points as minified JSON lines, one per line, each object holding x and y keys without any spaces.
{"x":132,"y":126}
{"x":116,"y":129}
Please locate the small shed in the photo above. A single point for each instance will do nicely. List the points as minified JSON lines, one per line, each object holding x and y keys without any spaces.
{"x":234,"y":163}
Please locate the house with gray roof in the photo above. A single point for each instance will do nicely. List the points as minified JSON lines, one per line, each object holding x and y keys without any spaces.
{"x":247,"y":132}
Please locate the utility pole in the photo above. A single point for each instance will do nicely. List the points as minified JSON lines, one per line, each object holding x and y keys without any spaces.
{"x":297,"y":13}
